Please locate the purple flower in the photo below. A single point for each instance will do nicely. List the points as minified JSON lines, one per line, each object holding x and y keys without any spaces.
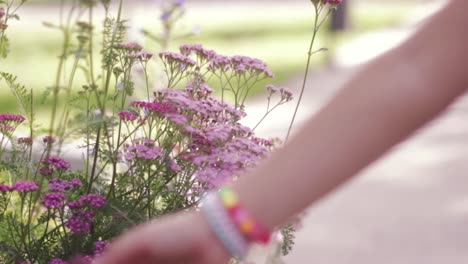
{"x":25,"y":140}
{"x":332,"y":1}
{"x":59,"y":185}
{"x":56,"y":163}
{"x":90,"y":200}
{"x":131,"y":46}
{"x":80,"y":222}
{"x":128,"y":116}
{"x":99,"y":247}
{"x":179,"y":2}
{"x":25,"y":186}
{"x":11,"y":118}
{"x":176,"y":60}
{"x":48,"y":140}
{"x":76,"y":182}
{"x":165,"y":16}
{"x":53,"y":200}
{"x":5,"y":188}
{"x":145,"y":149}
{"x":58,"y":261}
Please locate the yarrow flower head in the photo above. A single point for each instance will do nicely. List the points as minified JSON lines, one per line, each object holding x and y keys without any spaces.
{"x":327,"y":2}
{"x":332,"y":1}
{"x":178,"y":61}
{"x":49,"y":140}
{"x":94,"y":201}
{"x":59,"y":185}
{"x":9,"y":122}
{"x":99,"y":247}
{"x":143,"y":149}
{"x":5,"y":188}
{"x":53,"y":200}
{"x":80,"y":222}
{"x":11,"y":118}
{"x":58,"y":261}
{"x":53,"y":164}
{"x":25,"y":141}
{"x":128,"y":116}
{"x":25,"y":186}
{"x":131,"y":46}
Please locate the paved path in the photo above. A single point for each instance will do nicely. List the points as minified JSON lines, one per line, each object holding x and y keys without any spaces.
{"x":411,"y":207}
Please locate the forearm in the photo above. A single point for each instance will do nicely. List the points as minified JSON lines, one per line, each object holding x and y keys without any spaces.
{"x":390,"y":99}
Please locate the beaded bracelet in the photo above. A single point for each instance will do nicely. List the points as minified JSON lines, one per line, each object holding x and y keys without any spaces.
{"x":223,"y":226}
{"x":247,"y":224}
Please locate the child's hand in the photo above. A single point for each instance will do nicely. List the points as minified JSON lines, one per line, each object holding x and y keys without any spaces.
{"x":176,"y":239}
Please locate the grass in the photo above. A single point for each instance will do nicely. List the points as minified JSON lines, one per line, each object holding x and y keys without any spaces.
{"x":282,"y":43}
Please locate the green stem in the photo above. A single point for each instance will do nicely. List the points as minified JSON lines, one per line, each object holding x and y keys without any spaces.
{"x":306,"y":72}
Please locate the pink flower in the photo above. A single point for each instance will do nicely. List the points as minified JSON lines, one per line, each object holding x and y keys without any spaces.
{"x":25,"y":140}
{"x":57,"y":261}
{"x":128,"y":116}
{"x":25,"y":186}
{"x":80,"y":222}
{"x":332,"y":1}
{"x":94,"y":201}
{"x":53,"y":200}
{"x":5,"y":188}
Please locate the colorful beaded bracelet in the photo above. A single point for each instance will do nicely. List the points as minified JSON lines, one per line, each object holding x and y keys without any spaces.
{"x":223,"y":226}
{"x":252,"y":229}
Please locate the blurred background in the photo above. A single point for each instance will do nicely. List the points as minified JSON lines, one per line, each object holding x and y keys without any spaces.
{"x":410,"y":207}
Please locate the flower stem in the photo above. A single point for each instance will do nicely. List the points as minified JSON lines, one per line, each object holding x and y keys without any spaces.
{"x":309,"y":56}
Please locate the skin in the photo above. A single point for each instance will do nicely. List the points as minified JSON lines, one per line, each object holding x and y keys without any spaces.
{"x":385,"y":103}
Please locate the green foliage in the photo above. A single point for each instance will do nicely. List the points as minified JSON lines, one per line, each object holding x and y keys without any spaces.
{"x":4,"y":46}
{"x":288,"y":239}
{"x":24,"y":98}
{"x":114,"y":32}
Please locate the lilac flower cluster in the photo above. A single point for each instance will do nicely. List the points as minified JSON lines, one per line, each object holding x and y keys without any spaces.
{"x":48,"y":140}
{"x":143,"y":56}
{"x":285,"y":93}
{"x":53,"y":200}
{"x":204,"y":55}
{"x":5,"y":188}
{"x":176,"y":62}
{"x":99,"y":247}
{"x":94,"y":201}
{"x":59,"y":185}
{"x":53,"y":164}
{"x":154,"y":107}
{"x":80,"y":222}
{"x":128,"y":116}
{"x":22,"y":186}
{"x":132,"y":46}
{"x":9,"y":122}
{"x":332,"y":1}
{"x":142,"y":149}
{"x":11,"y":118}
{"x":25,"y":186}
{"x":25,"y":141}
{"x":83,"y":213}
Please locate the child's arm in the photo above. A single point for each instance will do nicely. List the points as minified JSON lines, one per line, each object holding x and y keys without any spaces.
{"x":391,"y":98}
{"x":386,"y":102}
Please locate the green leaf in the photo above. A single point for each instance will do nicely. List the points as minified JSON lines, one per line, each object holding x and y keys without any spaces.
{"x":14,"y":16}
{"x":4,"y":46}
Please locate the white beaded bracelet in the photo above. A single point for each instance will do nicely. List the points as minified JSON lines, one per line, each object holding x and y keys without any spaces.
{"x":223,"y":226}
